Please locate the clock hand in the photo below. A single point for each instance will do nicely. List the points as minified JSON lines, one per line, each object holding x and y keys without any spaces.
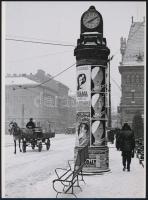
{"x":91,"y":19}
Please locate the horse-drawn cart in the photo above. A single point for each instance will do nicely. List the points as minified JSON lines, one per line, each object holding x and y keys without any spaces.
{"x":36,"y":138}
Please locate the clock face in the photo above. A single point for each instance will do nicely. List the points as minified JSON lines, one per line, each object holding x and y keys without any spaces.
{"x":91,"y":19}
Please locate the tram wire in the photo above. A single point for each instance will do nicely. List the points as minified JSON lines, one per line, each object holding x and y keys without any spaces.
{"x":20,"y":87}
{"x":47,"y":55}
{"x":35,"y":38}
{"x":39,"y":42}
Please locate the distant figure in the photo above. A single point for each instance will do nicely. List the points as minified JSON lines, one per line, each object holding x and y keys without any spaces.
{"x":127,"y":145}
{"x":118,"y":139}
{"x":110,"y":136}
{"x":30,"y":124}
{"x":49,"y":127}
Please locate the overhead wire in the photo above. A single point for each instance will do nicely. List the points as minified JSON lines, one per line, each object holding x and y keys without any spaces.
{"x":111,"y":57}
{"x":48,"y":43}
{"x":39,"y":42}
{"x":34,"y":38}
{"x":116,"y":84}
{"x":54,"y":76}
{"x":61,"y":71}
{"x":20,"y":87}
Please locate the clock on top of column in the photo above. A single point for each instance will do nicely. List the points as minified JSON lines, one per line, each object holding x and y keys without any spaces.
{"x":91,"y":21}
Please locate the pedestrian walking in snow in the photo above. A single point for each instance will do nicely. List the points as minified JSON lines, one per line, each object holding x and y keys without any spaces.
{"x":117,"y":139}
{"x":127,"y":145}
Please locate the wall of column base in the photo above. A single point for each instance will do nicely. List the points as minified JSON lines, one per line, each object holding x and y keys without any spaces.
{"x":98,"y":160}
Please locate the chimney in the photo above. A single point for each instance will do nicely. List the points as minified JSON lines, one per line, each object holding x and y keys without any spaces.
{"x":132,"y":19}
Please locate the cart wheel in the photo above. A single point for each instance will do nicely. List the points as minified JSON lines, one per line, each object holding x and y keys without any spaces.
{"x":48,"y":145}
{"x":40,"y":147}
{"x":33,"y":144}
{"x":24,"y":146}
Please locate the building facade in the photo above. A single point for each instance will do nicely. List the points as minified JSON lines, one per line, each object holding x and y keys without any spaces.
{"x":132,"y":73}
{"x":48,"y":104}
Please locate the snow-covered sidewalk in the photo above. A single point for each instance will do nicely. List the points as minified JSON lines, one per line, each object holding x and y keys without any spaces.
{"x":113,"y":184}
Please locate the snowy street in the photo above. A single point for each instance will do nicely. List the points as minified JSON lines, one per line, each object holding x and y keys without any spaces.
{"x":30,"y":174}
{"x":73,"y":96}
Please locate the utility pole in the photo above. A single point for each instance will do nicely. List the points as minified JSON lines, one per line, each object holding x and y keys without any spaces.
{"x":109,"y":120}
{"x":22,"y":117}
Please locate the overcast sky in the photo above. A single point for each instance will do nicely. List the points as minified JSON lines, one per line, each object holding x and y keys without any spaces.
{"x":59,"y":22}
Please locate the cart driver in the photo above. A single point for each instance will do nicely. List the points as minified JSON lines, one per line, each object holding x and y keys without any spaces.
{"x":30,"y":124}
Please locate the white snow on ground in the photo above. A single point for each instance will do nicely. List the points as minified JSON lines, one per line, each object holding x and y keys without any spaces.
{"x":30,"y":174}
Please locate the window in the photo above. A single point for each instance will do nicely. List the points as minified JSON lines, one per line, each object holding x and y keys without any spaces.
{"x":133,"y":96}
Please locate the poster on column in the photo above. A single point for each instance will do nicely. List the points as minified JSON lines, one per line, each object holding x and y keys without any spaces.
{"x":97,"y":132}
{"x":83,"y":88}
{"x":83,"y":128}
{"x":98,"y":110}
{"x":98,"y":79}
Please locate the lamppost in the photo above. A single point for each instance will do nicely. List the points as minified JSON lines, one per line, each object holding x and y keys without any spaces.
{"x":109,"y":117}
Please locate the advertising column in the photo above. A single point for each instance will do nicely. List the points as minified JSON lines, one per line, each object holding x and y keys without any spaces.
{"x":91,"y":115}
{"x":92,"y":65}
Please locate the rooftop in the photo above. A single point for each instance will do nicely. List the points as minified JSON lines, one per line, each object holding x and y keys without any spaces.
{"x":19,"y":80}
{"x":133,"y":50}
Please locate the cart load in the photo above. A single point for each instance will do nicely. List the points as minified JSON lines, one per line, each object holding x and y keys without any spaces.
{"x":36,"y":138}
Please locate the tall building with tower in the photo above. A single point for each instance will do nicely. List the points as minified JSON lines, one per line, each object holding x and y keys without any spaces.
{"x":132,"y":73}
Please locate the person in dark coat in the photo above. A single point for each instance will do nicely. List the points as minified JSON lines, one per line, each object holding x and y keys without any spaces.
{"x":118,"y":139}
{"x":127,"y":145}
{"x":30,"y":124}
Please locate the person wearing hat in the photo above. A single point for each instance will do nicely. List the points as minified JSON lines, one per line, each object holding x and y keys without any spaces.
{"x":30,"y":124}
{"x":127,"y":145}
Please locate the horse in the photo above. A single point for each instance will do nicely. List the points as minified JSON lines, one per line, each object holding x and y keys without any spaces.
{"x":17,"y":134}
